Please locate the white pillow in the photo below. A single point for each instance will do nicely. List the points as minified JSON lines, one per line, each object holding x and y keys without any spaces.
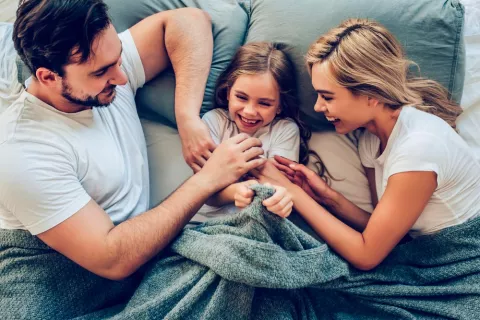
{"x":468,"y":124}
{"x":10,"y":88}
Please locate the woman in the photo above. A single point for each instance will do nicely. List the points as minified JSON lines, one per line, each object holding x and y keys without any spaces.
{"x":422,"y":172}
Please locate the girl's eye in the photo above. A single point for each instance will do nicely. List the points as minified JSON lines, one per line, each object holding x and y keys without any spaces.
{"x":326,"y":98}
{"x":241,"y":97}
{"x":265,"y":104}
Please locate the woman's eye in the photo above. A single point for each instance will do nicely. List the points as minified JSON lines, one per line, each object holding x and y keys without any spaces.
{"x":241,"y":97}
{"x":265,"y":104}
{"x":326,"y":98}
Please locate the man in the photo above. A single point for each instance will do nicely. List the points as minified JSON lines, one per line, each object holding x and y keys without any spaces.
{"x":73,"y":165}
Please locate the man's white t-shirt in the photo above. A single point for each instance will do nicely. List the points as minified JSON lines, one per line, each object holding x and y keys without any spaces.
{"x":53,"y":163}
{"x":280,"y":137}
{"x":423,"y":142}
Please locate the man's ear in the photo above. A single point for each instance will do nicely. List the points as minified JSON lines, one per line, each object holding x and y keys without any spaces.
{"x":47,"y":77}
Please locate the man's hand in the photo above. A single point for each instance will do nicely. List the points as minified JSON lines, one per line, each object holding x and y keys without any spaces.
{"x":197,"y":144}
{"x":231,"y":160}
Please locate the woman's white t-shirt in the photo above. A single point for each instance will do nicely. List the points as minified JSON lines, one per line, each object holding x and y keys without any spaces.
{"x":423,"y":142}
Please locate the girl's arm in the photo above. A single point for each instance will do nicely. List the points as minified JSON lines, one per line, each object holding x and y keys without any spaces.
{"x":238,"y":193}
{"x":405,"y":198}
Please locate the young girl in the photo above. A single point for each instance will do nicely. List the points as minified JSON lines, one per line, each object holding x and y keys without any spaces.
{"x":257,"y":95}
{"x":422,"y":172}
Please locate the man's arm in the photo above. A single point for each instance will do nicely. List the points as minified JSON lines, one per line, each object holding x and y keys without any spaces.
{"x":90,"y":239}
{"x":182,"y":37}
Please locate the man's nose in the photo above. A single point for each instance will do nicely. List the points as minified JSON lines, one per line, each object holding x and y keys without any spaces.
{"x":119,"y":78}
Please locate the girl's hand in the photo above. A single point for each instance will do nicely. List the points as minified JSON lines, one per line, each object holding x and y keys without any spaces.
{"x":280,"y":203}
{"x":244,"y":195}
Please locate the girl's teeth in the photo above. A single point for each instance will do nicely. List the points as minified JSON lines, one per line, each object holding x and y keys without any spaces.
{"x":249,"y":121}
{"x":331,"y":118}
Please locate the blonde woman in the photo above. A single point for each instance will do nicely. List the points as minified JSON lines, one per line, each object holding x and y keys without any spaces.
{"x":422,"y":173}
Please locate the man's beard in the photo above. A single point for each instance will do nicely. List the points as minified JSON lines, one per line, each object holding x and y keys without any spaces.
{"x":89,"y":101}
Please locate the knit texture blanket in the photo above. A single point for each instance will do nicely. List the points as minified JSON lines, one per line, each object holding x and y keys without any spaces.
{"x":253,"y":265}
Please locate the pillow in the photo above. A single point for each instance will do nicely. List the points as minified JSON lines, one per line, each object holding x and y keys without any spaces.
{"x":429,"y":30}
{"x":468,"y":124}
{"x":229,"y":21}
{"x":10,"y":88}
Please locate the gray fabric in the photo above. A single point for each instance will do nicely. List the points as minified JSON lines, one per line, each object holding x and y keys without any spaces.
{"x":429,"y":30}
{"x":252,"y":265}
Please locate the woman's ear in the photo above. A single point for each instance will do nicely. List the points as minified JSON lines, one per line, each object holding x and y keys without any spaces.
{"x":372,"y":102}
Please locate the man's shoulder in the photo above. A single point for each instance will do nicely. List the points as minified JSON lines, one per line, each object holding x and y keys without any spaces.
{"x":25,"y":127}
{"x":11,"y":119}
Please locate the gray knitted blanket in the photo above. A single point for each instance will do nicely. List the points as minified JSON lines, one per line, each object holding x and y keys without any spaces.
{"x":252,"y":265}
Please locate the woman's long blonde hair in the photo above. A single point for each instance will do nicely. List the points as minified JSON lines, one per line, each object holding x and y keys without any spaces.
{"x":364,"y":57}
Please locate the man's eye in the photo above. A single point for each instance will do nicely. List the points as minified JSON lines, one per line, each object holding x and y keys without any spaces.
{"x":100,"y":73}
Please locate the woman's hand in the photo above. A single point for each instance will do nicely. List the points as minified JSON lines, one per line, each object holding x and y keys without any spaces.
{"x":280,"y":203}
{"x":268,"y":173}
{"x":306,"y":179}
{"x":243,"y":195}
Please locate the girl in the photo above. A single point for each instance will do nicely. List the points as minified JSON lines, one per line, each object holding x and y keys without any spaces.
{"x":257,"y":95}
{"x":422,"y":172}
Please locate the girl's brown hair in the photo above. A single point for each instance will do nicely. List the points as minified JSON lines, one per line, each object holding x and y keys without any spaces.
{"x":261,"y":57}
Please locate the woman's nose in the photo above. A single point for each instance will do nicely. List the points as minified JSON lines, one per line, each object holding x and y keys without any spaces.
{"x":320,"y":106}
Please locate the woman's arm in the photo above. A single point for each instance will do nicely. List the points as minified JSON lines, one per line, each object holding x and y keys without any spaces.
{"x":319,"y":190}
{"x":404,"y":200}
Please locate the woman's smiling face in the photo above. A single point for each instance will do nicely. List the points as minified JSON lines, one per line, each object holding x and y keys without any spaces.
{"x":253,"y":101}
{"x":342,"y":108}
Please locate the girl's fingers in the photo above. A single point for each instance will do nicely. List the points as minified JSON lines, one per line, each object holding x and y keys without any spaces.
{"x":240,"y":204}
{"x":277,"y":196}
{"x":287,"y":210}
{"x":279,"y":206}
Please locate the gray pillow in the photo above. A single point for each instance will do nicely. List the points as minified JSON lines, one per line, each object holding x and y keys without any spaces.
{"x":229,"y":21}
{"x":429,"y":30}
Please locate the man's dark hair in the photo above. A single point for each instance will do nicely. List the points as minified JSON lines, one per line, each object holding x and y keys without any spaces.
{"x":54,"y":33}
